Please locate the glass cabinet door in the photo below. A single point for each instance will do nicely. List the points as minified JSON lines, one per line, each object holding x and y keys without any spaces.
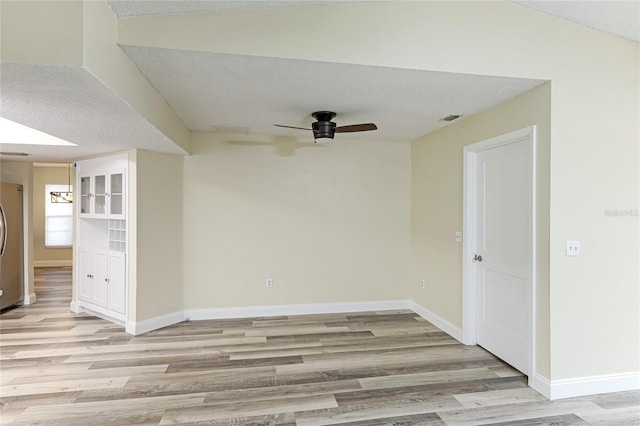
{"x":85,"y":194}
{"x":100,"y":197}
{"x":116,"y":202}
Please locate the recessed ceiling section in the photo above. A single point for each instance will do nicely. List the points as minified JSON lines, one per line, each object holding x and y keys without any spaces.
{"x":211,"y":91}
{"x":70,"y":104}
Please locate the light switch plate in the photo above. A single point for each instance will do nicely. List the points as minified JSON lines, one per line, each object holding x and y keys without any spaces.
{"x":573,"y":248}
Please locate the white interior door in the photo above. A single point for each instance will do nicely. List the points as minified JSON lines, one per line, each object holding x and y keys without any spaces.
{"x":504,"y":219}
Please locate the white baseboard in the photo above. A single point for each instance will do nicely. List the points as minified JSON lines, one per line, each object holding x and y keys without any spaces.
{"x":302,"y":309}
{"x":444,"y":325}
{"x":155,"y":323}
{"x":75,"y":307}
{"x":140,"y":327}
{"x":29,"y":299}
{"x":52,"y":263}
{"x":540,"y":384}
{"x":569,"y":388}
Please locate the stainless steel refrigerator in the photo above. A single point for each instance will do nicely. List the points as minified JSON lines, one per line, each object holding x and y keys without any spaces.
{"x":11,"y":253}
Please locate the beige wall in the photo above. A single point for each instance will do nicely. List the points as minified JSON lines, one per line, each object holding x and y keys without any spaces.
{"x":22,"y":173}
{"x":437,"y":207}
{"x":593,"y":166}
{"x":156,"y":221}
{"x":593,"y":133}
{"x":43,"y":256}
{"x":29,"y":35}
{"x":327,"y":223}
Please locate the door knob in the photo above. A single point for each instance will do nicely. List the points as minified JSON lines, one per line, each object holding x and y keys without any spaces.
{"x":477,"y":258}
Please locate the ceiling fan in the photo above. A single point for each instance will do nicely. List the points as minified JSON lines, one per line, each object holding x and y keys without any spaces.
{"x":324,"y":129}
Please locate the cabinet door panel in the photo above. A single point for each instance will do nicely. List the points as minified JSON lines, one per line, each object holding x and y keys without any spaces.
{"x":85,"y":195}
{"x":100,"y":196}
{"x":85,"y":271}
{"x":117,"y":280}
{"x":101,"y":280}
{"x":117,"y":194}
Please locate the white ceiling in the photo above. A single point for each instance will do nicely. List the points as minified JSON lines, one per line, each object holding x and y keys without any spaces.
{"x":620,"y":18}
{"x":233,"y":93}
{"x":71,"y":104}
{"x":214,"y":92}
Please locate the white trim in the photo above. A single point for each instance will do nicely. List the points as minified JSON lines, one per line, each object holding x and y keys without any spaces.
{"x":137,"y":328}
{"x":100,"y":311}
{"x":607,"y":383}
{"x":102,"y":315}
{"x":593,"y":385}
{"x":155,"y":323}
{"x":52,"y":263}
{"x":540,"y":384}
{"x":302,"y":309}
{"x":75,"y":307}
{"x":469,"y":292}
{"x":29,"y":299}
{"x":444,"y":325}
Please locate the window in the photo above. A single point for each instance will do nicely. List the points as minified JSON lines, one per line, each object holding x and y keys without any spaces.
{"x":58,"y":218}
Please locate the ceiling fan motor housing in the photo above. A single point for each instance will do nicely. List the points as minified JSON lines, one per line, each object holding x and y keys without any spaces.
{"x":324,"y":127}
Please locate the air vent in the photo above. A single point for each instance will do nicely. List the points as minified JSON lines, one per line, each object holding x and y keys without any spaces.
{"x":15,"y":154}
{"x":450,"y":117}
{"x":230,"y":130}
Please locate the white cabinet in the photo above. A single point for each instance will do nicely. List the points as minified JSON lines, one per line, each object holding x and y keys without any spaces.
{"x":116,"y":285}
{"x":102,"y":279}
{"x":102,"y":193}
{"x":102,"y":237}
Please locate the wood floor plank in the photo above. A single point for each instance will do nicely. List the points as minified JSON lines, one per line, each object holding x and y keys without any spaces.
{"x":358,"y":368}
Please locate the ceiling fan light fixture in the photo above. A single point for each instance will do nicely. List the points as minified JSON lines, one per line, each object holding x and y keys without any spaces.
{"x":322,"y":140}
{"x":323,"y":131}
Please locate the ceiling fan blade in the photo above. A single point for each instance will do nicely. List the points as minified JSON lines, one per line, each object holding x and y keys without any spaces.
{"x":364,"y":127}
{"x":290,"y":127}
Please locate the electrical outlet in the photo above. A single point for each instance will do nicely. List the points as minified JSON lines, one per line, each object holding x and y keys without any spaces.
{"x":422,"y":284}
{"x":269,"y":283}
{"x":573,"y":248}
{"x":458,"y":236}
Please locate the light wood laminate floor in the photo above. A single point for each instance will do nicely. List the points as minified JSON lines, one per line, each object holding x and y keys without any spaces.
{"x":374,"y":368}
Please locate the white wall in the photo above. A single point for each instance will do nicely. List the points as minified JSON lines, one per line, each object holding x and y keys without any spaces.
{"x":437,"y":208}
{"x":326,"y":223}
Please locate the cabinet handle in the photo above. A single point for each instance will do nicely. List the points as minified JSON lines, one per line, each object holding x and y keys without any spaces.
{"x":106,"y":280}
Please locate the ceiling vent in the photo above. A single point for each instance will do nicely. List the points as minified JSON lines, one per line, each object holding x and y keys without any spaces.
{"x":230,"y":130}
{"x":450,"y":117}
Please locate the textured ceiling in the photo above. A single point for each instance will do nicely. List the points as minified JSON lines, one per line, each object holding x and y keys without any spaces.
{"x":212,"y":92}
{"x":621,"y":18}
{"x":232,"y":93}
{"x":71,"y":104}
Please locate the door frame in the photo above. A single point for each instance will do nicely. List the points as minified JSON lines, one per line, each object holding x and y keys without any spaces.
{"x":469,"y":282}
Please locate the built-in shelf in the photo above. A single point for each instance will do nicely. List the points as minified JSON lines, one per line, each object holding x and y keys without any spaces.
{"x":117,"y":235}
